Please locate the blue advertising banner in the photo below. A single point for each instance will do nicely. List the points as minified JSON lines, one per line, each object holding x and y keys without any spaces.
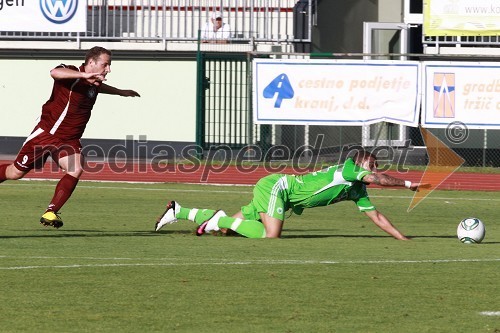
{"x":336,"y":92}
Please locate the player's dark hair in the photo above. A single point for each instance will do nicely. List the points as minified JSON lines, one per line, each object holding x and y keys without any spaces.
{"x":362,"y":155}
{"x":95,"y":52}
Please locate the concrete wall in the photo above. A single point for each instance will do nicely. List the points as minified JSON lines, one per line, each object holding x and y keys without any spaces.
{"x":340,"y":22}
{"x":165,"y":112}
{"x":341,"y":30}
{"x":390,"y":11}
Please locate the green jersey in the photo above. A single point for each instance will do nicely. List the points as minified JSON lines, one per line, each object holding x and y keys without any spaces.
{"x":328,"y":186}
{"x":276,"y":193}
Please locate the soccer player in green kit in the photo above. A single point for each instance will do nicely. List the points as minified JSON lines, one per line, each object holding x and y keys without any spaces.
{"x":273,"y":195}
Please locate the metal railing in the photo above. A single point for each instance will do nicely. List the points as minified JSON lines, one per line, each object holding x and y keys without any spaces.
{"x":268,"y":21}
{"x":462,"y":40}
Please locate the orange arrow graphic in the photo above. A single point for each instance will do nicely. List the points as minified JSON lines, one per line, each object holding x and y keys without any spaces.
{"x":443,"y":162}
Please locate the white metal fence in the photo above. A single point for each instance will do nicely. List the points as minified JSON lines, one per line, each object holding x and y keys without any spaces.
{"x":181,"y":20}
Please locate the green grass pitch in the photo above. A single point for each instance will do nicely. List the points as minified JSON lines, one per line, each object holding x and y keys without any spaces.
{"x":106,"y":270}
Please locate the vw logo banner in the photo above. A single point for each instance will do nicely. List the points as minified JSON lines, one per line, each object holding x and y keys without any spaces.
{"x":43,"y":15}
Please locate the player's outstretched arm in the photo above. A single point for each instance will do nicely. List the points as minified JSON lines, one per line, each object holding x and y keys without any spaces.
{"x":383,"y":179}
{"x":110,"y":90}
{"x":63,"y":73}
{"x":383,"y":223}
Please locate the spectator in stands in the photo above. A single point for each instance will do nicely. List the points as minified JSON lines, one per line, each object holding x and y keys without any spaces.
{"x":216,"y":31}
{"x":61,"y":125}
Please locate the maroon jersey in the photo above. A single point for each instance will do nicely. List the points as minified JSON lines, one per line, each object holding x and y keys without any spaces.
{"x":67,"y":112}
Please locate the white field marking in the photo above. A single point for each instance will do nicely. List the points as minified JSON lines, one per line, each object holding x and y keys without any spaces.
{"x":141,"y":188}
{"x":245,"y":262}
{"x":86,"y":258}
{"x":225,"y":191}
{"x":490,"y":313}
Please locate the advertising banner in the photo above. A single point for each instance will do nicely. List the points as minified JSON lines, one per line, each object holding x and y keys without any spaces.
{"x":335,"y":92}
{"x":461,"y":17}
{"x":468,"y":93}
{"x":43,"y":15}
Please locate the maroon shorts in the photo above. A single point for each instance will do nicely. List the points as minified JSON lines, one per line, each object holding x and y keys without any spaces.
{"x":40,"y":145}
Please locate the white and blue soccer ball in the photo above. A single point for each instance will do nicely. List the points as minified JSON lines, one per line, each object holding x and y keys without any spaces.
{"x":471,"y":230}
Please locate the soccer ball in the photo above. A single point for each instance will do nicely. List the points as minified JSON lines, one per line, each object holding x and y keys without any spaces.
{"x":471,"y":230}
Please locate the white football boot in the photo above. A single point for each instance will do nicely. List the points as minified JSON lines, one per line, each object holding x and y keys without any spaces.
{"x":168,"y":217}
{"x":210,"y":224}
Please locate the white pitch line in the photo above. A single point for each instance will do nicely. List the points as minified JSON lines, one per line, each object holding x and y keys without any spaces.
{"x":241,"y":192}
{"x":85,"y":258}
{"x":490,"y":313}
{"x":254,"y":262}
{"x":119,"y":188}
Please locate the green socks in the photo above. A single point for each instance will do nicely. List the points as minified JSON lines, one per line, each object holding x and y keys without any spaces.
{"x":247,"y":228}
{"x":196,"y":215}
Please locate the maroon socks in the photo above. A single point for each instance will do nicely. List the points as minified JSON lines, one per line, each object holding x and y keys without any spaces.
{"x":3,"y":170}
{"x":63,"y":191}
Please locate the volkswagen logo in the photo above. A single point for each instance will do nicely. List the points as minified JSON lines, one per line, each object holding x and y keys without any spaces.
{"x":58,"y":11}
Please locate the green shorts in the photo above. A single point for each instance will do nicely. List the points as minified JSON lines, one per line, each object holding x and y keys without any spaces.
{"x":270,"y":196}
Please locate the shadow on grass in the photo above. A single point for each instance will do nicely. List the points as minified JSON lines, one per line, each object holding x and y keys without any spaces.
{"x":377,"y":236}
{"x":97,"y":233}
{"x":147,"y":233}
{"x":358,"y":236}
{"x":332,"y":236}
{"x":330,"y":233}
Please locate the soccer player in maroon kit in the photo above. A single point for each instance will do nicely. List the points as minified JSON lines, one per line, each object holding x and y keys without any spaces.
{"x":62,"y":123}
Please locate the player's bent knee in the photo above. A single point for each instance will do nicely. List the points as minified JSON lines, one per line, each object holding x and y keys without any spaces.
{"x":272,"y":233}
{"x":13,"y":173}
{"x":76,"y":173}
{"x":17,"y":176}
